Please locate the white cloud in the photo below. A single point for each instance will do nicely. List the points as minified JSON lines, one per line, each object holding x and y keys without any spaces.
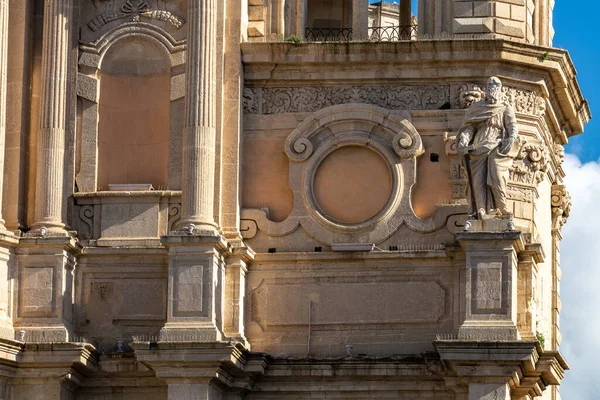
{"x":580,"y":284}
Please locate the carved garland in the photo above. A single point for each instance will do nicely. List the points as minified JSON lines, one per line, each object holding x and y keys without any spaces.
{"x":133,"y":9}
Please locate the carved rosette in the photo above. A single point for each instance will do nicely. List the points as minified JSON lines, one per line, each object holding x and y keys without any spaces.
{"x":561,"y":206}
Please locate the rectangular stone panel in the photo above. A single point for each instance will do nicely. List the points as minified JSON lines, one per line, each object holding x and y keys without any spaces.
{"x":37,"y":288}
{"x":278,"y":304}
{"x":187,"y":290}
{"x":487,"y":287}
{"x":130,"y":220}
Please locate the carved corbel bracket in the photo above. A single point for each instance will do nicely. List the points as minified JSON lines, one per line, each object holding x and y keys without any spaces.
{"x":561,"y":206}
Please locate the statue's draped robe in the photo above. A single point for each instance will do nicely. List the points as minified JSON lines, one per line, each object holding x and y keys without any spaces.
{"x":485,"y":126}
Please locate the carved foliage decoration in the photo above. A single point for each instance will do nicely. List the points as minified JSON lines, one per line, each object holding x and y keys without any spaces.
{"x":561,"y":206}
{"x":530,"y":165}
{"x":134,"y":10}
{"x":311,"y":99}
{"x":261,"y":100}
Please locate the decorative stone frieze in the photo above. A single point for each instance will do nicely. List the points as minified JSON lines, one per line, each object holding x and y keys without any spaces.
{"x":312,"y":99}
{"x":276,"y":100}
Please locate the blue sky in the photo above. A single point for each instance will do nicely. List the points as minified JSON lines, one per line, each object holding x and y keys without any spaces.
{"x":577,"y":30}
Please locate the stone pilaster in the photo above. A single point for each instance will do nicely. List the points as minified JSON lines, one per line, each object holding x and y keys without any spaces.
{"x":195,"y":289}
{"x":3,"y":87}
{"x":235,"y":293}
{"x":199,"y":134}
{"x":44,"y":289}
{"x":53,"y":110}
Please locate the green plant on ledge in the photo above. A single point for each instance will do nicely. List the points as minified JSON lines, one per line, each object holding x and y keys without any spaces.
{"x":540,"y":337}
{"x":294,"y":39}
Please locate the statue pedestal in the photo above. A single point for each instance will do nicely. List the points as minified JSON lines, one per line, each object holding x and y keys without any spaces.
{"x":490,"y":280}
{"x":44,"y":290}
{"x":196,"y":288}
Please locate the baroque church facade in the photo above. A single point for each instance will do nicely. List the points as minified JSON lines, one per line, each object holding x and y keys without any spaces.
{"x":266,"y":199}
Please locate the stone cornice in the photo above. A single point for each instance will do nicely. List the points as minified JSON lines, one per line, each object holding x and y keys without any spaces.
{"x":420,"y":61}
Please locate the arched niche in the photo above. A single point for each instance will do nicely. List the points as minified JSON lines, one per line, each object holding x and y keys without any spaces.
{"x":131,"y":84}
{"x":133,"y":114}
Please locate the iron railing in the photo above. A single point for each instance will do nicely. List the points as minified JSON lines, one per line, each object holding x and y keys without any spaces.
{"x":393,"y":33}
{"x":328,"y":34}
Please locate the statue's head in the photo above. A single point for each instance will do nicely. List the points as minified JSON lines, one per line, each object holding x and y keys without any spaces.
{"x":493,"y":89}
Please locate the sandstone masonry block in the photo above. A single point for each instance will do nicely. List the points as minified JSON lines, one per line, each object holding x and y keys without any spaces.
{"x":474,"y":25}
{"x":483,"y":8}
{"x":510,"y":28}
{"x":463,"y":9}
{"x":517,"y":13}
{"x":503,"y":10}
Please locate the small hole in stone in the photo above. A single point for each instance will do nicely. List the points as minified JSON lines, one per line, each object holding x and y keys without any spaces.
{"x":272,"y":250}
{"x":393,"y":248}
{"x":434,"y":157}
{"x":318,"y":249}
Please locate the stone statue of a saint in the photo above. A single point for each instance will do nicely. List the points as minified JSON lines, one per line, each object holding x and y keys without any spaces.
{"x":487,"y":138}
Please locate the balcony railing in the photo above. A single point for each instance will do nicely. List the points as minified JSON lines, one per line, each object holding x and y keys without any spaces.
{"x":393,"y":33}
{"x":376,"y":34}
{"x":328,"y":34}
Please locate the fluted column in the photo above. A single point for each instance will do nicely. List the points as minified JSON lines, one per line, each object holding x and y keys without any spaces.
{"x":3,"y":84}
{"x":200,"y":117}
{"x":52,"y":122}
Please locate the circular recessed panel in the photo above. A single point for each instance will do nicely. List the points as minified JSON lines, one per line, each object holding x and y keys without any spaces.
{"x":352,"y":184}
